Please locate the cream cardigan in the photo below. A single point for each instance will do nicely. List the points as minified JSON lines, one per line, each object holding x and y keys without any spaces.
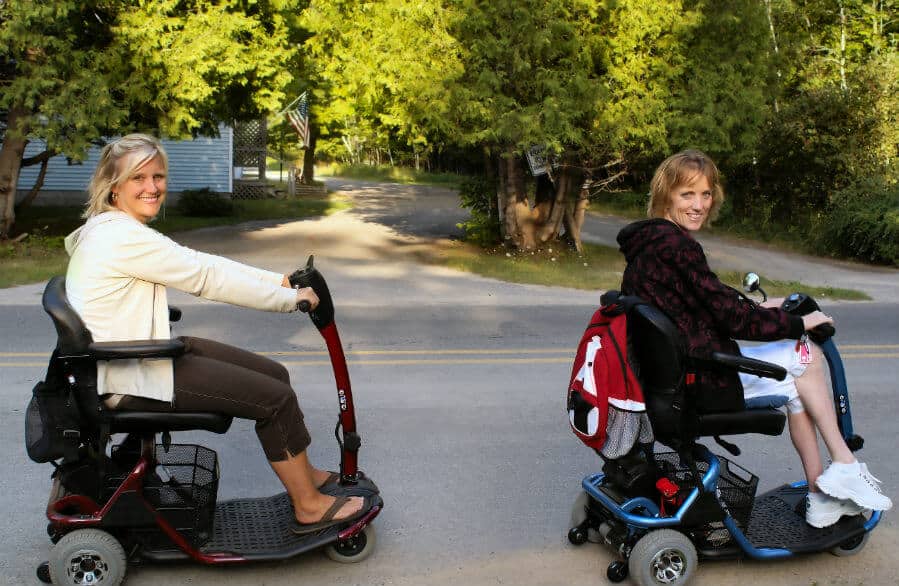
{"x":116,"y":281}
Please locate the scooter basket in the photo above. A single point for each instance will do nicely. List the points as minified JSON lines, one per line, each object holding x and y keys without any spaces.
{"x":182,"y":488}
{"x":736,"y":485}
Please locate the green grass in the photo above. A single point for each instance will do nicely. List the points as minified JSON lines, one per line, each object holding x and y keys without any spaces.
{"x":776,"y":288}
{"x":386,"y":173}
{"x":25,"y":263}
{"x":41,"y":254}
{"x":597,"y":268}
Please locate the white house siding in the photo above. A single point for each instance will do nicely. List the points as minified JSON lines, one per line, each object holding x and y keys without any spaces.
{"x":193,"y":164}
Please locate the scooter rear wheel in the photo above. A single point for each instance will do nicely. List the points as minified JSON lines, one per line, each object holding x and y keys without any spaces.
{"x":355,"y":549}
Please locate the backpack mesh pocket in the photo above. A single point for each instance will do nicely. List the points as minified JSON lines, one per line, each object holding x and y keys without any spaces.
{"x":50,"y":413}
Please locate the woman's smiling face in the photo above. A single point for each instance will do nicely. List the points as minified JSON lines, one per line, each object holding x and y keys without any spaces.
{"x":689,"y":204}
{"x":141,"y":194}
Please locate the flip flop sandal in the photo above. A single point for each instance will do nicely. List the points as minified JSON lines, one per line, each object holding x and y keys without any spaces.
{"x":328,"y":519}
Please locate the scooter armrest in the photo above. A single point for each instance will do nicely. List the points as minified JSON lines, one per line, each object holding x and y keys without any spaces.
{"x":750,"y":365}
{"x":136,"y":349}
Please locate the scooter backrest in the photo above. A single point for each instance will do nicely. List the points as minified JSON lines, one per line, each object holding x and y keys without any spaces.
{"x":73,"y":336}
{"x":657,"y":348}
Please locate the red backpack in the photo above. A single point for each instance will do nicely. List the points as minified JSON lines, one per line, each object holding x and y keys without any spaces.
{"x":601,"y":374}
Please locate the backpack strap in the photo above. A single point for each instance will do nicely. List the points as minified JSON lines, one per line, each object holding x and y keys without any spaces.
{"x":615,"y":303}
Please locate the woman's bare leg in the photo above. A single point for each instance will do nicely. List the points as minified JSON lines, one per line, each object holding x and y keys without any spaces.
{"x":816,"y":398}
{"x":805,"y":440}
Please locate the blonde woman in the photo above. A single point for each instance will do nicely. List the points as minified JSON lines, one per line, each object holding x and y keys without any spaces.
{"x":117,"y":278}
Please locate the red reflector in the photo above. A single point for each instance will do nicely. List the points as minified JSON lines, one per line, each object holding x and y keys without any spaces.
{"x":691,"y":378}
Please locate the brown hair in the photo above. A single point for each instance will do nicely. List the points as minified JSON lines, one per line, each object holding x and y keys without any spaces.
{"x":134,"y":149}
{"x":681,"y":169}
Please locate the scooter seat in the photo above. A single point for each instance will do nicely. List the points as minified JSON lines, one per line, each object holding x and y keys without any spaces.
{"x":767,"y":421}
{"x":153,"y":422}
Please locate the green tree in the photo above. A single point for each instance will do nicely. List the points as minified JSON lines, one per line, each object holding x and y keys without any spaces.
{"x":76,"y":71}
{"x":838,"y":112}
{"x":529,"y":79}
{"x":380,"y":71}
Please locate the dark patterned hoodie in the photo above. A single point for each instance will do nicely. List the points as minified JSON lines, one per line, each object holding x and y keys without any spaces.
{"x":667,"y":268}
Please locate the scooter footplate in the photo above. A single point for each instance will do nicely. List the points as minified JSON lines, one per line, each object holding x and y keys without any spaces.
{"x":778,"y":521}
{"x":259,"y":529}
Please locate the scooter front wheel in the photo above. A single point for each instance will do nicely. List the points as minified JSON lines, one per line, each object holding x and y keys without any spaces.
{"x":88,"y":556}
{"x":851,"y":546}
{"x":355,"y":549}
{"x":663,"y":556}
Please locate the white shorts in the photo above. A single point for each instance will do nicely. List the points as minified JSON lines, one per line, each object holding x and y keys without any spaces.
{"x":767,"y":392}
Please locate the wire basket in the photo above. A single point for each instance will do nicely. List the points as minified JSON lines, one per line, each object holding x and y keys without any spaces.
{"x":182,"y":488}
{"x":736,"y":485}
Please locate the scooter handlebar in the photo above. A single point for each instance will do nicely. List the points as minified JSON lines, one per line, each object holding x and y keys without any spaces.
{"x":309,"y":276}
{"x":822,"y":333}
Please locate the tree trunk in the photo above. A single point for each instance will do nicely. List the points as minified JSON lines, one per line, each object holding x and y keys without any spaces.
{"x":10,"y":162}
{"x":843,"y":85}
{"x":558,"y":201}
{"x":309,"y":157}
{"x":44,"y":160}
{"x":573,"y":219}
{"x":519,"y":219}
{"x":774,"y":43}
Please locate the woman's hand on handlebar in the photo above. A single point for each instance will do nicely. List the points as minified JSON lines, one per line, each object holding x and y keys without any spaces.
{"x":307,"y":300}
{"x":815,"y":319}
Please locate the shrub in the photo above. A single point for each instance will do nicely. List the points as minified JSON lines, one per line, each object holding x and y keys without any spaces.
{"x":862,"y":221}
{"x":204,"y":203}
{"x":478,"y":194}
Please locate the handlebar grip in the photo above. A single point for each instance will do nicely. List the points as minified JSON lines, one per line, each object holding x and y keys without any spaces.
{"x":304,"y":306}
{"x":821,"y":333}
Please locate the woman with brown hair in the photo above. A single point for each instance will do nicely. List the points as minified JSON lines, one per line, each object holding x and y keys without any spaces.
{"x":667,"y":268}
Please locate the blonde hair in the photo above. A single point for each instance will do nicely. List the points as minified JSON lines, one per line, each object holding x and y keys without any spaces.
{"x":118,"y":161}
{"x":681,"y":169}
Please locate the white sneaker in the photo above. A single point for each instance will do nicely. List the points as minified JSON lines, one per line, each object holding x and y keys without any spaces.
{"x":854,"y":482}
{"x":823,"y":511}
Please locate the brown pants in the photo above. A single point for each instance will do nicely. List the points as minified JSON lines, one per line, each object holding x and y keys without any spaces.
{"x":215,"y":377}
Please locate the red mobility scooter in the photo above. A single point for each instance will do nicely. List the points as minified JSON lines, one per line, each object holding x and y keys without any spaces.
{"x":147,"y":499}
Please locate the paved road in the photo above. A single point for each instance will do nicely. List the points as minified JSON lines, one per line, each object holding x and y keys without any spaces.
{"x":459,"y":382}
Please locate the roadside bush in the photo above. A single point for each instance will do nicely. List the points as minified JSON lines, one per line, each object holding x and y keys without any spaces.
{"x":204,"y":203}
{"x":862,"y":221}
{"x":478,"y":195}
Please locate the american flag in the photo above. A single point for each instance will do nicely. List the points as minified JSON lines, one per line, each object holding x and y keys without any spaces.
{"x":299,"y":118}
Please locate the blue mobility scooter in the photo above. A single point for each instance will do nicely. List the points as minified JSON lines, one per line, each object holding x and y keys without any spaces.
{"x":661,"y":512}
{"x":147,"y":499}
